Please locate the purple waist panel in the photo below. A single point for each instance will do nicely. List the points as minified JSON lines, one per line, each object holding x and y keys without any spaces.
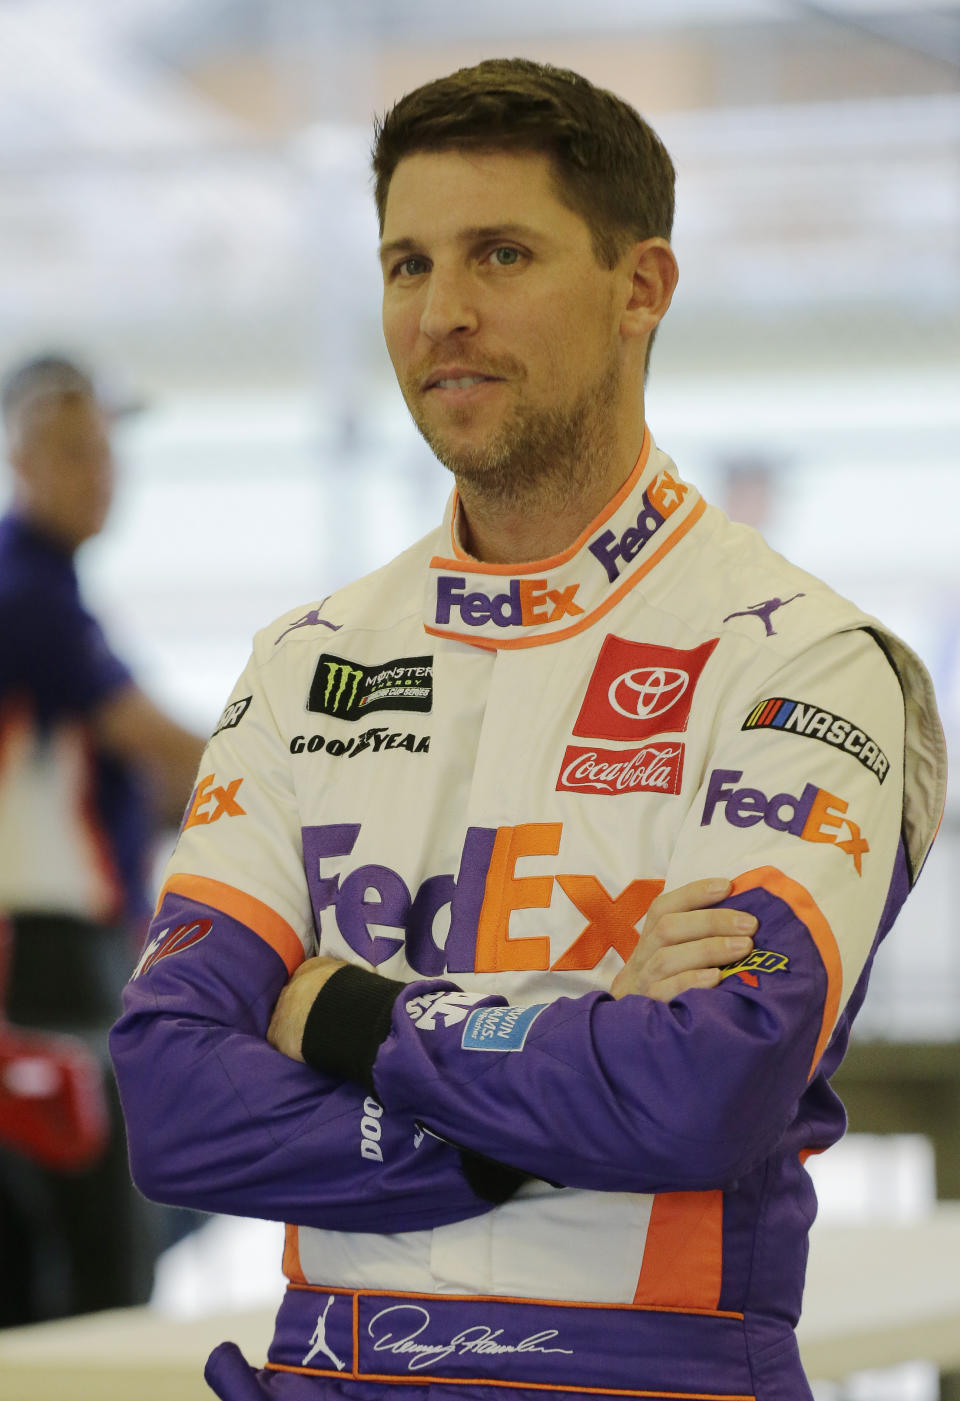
{"x":358,"y":1335}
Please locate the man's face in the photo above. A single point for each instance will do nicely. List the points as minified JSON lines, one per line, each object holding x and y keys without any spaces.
{"x":489,"y":278}
{"x":63,"y":458}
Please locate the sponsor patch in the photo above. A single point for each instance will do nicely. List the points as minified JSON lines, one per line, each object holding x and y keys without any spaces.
{"x":458,"y":921}
{"x":310,"y":619}
{"x":814,"y":816}
{"x":756,"y":962}
{"x":525,"y":603}
{"x":435,"y":1009}
{"x":374,"y":740}
{"x":499,"y":1028}
{"x":371,"y":1130}
{"x":764,"y":611}
{"x":233,"y":714}
{"x":660,"y":500}
{"x":653,"y":768}
{"x":803,"y":718}
{"x":211,"y":801}
{"x":350,"y":690}
{"x":171,"y":941}
{"x":639,"y":690}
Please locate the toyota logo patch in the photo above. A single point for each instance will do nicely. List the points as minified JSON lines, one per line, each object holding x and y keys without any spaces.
{"x":638,"y":690}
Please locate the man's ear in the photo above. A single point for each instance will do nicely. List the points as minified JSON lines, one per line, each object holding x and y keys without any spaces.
{"x":653,"y":273}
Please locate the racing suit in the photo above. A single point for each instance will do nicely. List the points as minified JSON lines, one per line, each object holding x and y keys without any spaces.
{"x":474,"y":779}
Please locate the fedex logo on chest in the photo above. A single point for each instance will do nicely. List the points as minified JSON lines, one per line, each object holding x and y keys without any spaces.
{"x":477,"y":901}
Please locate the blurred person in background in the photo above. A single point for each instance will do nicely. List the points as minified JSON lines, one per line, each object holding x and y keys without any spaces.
{"x":90,"y":770}
{"x":596,"y":809}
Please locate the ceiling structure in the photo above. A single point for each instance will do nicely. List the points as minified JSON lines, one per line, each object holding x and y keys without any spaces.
{"x":183,"y":186}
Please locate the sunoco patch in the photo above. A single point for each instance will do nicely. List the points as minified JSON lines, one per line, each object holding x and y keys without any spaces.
{"x":756,"y":962}
{"x":350,"y":691}
{"x":499,"y":1028}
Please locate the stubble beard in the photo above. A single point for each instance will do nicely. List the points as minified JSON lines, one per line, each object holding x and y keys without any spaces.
{"x":539,"y":458}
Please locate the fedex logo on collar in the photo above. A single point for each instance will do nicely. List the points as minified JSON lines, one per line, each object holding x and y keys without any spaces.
{"x":660,"y":500}
{"x":814,"y":816}
{"x":525,"y":603}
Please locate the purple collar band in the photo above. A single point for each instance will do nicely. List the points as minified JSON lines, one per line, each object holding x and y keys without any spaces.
{"x":605,"y":1349}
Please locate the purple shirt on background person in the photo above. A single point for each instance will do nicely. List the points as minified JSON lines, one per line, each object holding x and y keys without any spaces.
{"x":73,"y":821}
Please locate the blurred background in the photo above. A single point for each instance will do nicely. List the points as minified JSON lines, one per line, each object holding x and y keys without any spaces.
{"x":185,"y":203}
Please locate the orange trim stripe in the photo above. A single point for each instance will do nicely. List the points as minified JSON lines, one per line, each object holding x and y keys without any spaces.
{"x":808,"y":912}
{"x":683,"y":1255}
{"x":272,"y":928}
{"x":516,"y":1299}
{"x":394,"y":1380}
{"x":292,"y":1267}
{"x":554,"y":561}
{"x":496,"y":645}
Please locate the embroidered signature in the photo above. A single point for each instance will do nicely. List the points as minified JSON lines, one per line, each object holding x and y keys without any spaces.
{"x":478,"y":1339}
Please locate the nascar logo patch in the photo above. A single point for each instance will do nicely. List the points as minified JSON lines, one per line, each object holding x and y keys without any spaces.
{"x":813,"y":722}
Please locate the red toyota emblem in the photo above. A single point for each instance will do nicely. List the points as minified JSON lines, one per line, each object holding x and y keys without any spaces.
{"x":638,"y":690}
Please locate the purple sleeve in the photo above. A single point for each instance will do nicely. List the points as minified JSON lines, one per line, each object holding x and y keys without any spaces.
{"x":219,"y":1120}
{"x":614,"y":1095}
{"x":621,"y":1095}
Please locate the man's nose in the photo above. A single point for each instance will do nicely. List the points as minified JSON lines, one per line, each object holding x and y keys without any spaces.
{"x":450,"y":305}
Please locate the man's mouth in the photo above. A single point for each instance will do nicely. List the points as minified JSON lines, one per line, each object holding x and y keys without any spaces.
{"x":466,"y":382}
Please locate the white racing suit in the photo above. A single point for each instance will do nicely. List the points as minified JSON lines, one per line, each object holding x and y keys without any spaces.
{"x":475,"y":779}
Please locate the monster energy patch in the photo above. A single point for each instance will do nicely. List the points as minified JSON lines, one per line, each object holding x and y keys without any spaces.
{"x":350,"y":690}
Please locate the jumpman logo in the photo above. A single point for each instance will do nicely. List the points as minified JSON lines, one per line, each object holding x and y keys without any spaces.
{"x":763,"y":611}
{"x":318,"y":1343}
{"x":311,"y":619}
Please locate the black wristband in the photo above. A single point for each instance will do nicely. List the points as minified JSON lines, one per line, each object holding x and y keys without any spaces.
{"x":490,"y":1180}
{"x":348,"y":1022}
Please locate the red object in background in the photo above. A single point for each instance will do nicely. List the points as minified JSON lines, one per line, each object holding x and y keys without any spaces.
{"x":52,"y":1104}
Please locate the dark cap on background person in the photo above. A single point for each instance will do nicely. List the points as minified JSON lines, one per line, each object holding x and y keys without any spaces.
{"x":52,"y":375}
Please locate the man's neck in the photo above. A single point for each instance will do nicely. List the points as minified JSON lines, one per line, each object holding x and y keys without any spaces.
{"x":53,"y":531}
{"x":520,"y":531}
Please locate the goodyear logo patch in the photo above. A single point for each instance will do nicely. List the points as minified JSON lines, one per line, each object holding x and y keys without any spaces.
{"x":756,"y":962}
{"x":813,"y":722}
{"x":499,"y":1028}
{"x":350,"y":691}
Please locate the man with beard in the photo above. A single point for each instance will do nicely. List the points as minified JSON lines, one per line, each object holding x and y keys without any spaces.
{"x":533,"y":881}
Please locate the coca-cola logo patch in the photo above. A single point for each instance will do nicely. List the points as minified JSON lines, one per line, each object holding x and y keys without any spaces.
{"x":639,"y":690}
{"x":653,"y":768}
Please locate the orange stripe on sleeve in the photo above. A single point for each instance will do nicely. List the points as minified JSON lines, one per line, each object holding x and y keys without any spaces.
{"x":683,"y":1256}
{"x":272,"y":928}
{"x":806,"y":909}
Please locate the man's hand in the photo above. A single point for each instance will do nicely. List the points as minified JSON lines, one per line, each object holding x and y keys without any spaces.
{"x":285,"y":1032}
{"x":684,"y":943}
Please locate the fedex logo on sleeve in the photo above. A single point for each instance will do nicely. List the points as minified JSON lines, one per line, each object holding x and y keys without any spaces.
{"x":814,"y":816}
{"x":525,"y":603}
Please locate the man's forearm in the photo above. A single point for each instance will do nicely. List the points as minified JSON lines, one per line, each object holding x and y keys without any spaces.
{"x":218,"y":1120}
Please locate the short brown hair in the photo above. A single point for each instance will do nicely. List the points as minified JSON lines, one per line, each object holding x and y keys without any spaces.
{"x":609,"y":165}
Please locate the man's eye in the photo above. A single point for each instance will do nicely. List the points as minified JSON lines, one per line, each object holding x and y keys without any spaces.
{"x":511,"y":259}
{"x":407,"y":267}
